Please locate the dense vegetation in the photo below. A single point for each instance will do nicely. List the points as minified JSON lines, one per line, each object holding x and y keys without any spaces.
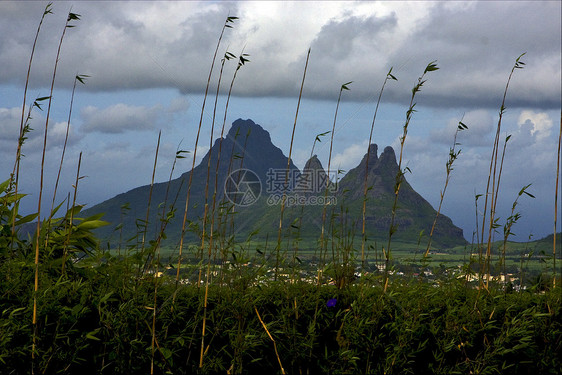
{"x":69,"y":304}
{"x":98,"y":318}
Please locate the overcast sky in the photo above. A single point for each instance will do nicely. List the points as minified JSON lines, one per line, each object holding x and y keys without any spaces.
{"x":148,"y":64}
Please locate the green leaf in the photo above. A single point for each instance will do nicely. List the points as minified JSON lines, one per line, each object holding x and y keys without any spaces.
{"x":26,"y":219}
{"x":48,"y":9}
{"x":179,"y":154}
{"x":82,"y":78}
{"x":90,"y":335}
{"x":73,"y":16}
{"x":344,"y":86}
{"x":4,"y":185}
{"x":389,"y":75}
{"x":432,"y":66}
{"x":529,"y":194}
{"x":92,"y":224}
{"x":105,"y":298}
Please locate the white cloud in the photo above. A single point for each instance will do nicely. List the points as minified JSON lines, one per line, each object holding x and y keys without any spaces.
{"x":349,"y":157}
{"x":540,"y":123}
{"x":10,"y":119}
{"x":179,"y":104}
{"x":119,"y":118}
{"x":480,"y":125}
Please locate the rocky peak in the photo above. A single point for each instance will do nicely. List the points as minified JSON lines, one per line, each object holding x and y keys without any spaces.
{"x":247,"y":128}
{"x":313,"y":179}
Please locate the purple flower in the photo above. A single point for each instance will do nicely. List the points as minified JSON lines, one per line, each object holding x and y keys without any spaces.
{"x":331,"y":302}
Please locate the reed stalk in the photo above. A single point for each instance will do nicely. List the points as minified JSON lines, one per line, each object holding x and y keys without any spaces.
{"x":284,"y":196}
{"x":389,"y":76}
{"x":155,"y":257}
{"x":485,"y":268}
{"x":400,"y":175}
{"x":323,"y":247}
{"x":556,"y":205}
{"x":241,"y":157}
{"x":271,"y":337}
{"x":24,"y":128}
{"x":229,"y":19}
{"x":82,"y":80}
{"x":453,"y":155}
{"x":227,"y":56}
{"x":147,"y":216}
{"x":512,"y":220}
{"x":71,"y":17}
{"x":242,"y":59}
{"x":71,"y":218}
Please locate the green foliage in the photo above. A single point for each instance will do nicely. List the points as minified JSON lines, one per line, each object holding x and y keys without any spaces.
{"x":99,"y":322}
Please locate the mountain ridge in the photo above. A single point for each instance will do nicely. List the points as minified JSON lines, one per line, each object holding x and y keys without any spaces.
{"x":248,"y":146}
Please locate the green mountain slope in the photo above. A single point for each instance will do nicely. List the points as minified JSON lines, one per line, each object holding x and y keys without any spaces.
{"x":248,"y":146}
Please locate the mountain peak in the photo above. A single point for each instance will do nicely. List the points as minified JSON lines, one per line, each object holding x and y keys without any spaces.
{"x":388,"y":154}
{"x":248,"y":146}
{"x":313,"y":179}
{"x":313,"y":163}
{"x":240,"y":128}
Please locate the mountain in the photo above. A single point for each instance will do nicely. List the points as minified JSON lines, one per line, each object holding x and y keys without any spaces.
{"x":247,"y":145}
{"x":413,"y":213}
{"x":344,"y":205}
{"x":251,"y":179}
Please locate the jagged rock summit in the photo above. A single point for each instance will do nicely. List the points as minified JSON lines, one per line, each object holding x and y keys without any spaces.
{"x":248,"y":146}
{"x":313,"y":179}
{"x":413,"y":212}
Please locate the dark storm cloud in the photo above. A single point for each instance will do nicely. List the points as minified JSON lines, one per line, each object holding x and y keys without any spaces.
{"x":476,"y":45}
{"x":116,"y":43}
{"x":126,"y":45}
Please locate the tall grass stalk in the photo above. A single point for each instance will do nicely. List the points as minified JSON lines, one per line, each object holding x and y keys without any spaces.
{"x":147,"y":216}
{"x":511,"y":220}
{"x":556,"y":204}
{"x":226,"y":25}
{"x":71,"y":218}
{"x":81,"y":79}
{"x":23,"y":123}
{"x":154,"y":258}
{"x":271,"y":337}
{"x":242,"y":59}
{"x":227,"y":56}
{"x":308,"y":179}
{"x":365,"y":187}
{"x":323,"y":247}
{"x":453,"y":155}
{"x":400,"y":175}
{"x":485,"y":268}
{"x":241,"y":158}
{"x":280,"y":228}
{"x":71,"y":17}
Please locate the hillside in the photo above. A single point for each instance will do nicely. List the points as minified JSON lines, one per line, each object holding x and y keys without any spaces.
{"x":257,"y":194}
